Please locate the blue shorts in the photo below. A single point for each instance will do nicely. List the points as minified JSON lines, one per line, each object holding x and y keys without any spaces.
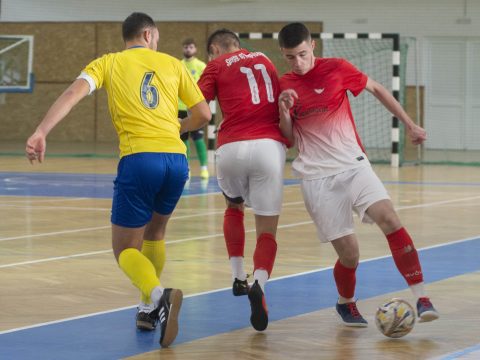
{"x":147,"y":182}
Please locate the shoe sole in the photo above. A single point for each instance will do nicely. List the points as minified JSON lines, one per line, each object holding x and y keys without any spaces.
{"x":428,"y":316}
{"x":143,"y":325}
{"x":259,"y":317}
{"x":171,"y":330}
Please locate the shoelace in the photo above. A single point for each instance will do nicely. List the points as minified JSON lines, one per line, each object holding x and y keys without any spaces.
{"x":425,"y":302}
{"x":353,"y":309}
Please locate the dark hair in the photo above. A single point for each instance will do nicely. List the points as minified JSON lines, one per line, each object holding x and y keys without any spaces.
{"x":293,"y":35}
{"x":223,"y":37}
{"x":134,"y":24}
{"x":189,"y":41}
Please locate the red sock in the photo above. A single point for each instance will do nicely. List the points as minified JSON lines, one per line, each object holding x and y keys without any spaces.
{"x":234,"y":232}
{"x":265,"y":252}
{"x":345,"y":279}
{"x":405,"y":256}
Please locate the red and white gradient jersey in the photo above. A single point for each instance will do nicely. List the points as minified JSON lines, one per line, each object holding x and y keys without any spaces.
{"x":246,"y":85}
{"x":323,"y":124}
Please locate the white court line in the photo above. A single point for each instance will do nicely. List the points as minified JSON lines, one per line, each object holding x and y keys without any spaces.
{"x":41,"y":201}
{"x":223,"y":289}
{"x":108,"y":226}
{"x":285,"y":226}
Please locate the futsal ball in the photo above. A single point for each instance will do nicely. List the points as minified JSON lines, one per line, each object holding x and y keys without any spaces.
{"x":395,"y":318}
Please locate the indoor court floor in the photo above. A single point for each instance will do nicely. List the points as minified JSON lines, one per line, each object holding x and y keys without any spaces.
{"x":64,"y":297}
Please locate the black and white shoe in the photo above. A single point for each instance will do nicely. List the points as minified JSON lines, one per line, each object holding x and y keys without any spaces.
{"x":147,"y":317}
{"x":168,"y":310}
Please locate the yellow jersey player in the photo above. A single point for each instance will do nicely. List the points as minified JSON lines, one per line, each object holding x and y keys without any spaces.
{"x":143,"y":87}
{"x":195,"y":67}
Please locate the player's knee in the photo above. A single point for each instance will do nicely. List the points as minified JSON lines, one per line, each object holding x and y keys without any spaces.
{"x":389,"y":222}
{"x":350,"y":259}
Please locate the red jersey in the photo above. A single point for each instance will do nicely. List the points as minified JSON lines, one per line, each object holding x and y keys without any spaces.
{"x":246,"y":85}
{"x":323,"y":124}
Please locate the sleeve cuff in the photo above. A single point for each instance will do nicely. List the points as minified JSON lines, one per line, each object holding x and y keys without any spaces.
{"x":89,"y":80}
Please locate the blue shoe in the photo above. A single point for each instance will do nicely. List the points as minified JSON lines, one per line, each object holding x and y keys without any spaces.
{"x":426,"y":311}
{"x":350,"y":315}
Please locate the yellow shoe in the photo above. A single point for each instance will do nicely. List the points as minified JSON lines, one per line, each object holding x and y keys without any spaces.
{"x":204,"y":174}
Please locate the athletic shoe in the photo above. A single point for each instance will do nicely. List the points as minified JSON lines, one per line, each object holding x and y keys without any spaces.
{"x":168,"y":310}
{"x":426,"y":311}
{"x":240,"y":287}
{"x":350,"y":315}
{"x":259,"y":317}
{"x":147,"y":317}
{"x":204,"y":174}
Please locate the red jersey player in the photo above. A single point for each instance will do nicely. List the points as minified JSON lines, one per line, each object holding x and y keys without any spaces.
{"x":250,"y":157}
{"x":336,"y":176}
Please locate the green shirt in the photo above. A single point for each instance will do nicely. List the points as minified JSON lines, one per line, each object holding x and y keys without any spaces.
{"x":195,"y":67}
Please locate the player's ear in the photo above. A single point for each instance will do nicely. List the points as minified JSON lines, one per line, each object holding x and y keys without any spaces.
{"x":313,"y":44}
{"x":147,"y":35}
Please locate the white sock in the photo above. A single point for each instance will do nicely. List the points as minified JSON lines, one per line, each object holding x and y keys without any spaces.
{"x":156,"y":294}
{"x":237,"y":268}
{"x":262,"y":277}
{"x":342,"y":300}
{"x":143,"y":307}
{"x":418,"y":290}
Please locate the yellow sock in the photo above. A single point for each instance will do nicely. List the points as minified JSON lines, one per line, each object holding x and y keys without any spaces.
{"x":139,"y":269}
{"x":155,"y":252}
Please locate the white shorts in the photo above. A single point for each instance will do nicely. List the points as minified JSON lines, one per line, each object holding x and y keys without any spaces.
{"x":253,"y":170}
{"x":330,"y":200}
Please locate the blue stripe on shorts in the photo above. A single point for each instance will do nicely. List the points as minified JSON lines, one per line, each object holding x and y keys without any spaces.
{"x":147,"y":182}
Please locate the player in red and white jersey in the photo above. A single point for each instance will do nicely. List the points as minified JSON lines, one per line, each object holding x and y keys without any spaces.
{"x":250,"y":157}
{"x":335,"y":172}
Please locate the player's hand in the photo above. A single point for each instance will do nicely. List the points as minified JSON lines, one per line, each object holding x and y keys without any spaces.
{"x":36,"y":146}
{"x":417,"y":134}
{"x":287,"y":99}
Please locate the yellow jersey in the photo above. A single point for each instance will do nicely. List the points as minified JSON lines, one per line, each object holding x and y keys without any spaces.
{"x":195,"y":67}
{"x":143,"y":88}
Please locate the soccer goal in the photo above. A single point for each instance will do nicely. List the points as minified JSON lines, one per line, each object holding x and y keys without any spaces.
{"x":16,"y":62}
{"x":378,"y":55}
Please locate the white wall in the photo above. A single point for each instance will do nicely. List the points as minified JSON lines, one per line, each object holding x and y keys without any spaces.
{"x":408,"y":17}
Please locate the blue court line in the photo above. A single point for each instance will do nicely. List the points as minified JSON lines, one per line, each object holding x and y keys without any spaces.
{"x":113,"y":335}
{"x":101,"y":185}
{"x":462,"y":352}
{"x":98,"y":186}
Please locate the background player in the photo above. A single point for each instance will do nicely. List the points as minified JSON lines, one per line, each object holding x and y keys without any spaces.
{"x":336,"y":174}
{"x":142,"y":86}
{"x":250,"y":157}
{"x":195,"y":67}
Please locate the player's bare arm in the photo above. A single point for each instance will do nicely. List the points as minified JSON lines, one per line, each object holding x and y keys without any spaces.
{"x":416,"y":133}
{"x":286,"y":100}
{"x":36,"y":143}
{"x":199,"y":116}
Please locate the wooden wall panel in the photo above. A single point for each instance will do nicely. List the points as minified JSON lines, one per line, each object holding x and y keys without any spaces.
{"x":172,"y":35}
{"x":21,"y":113}
{"x":63,"y":49}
